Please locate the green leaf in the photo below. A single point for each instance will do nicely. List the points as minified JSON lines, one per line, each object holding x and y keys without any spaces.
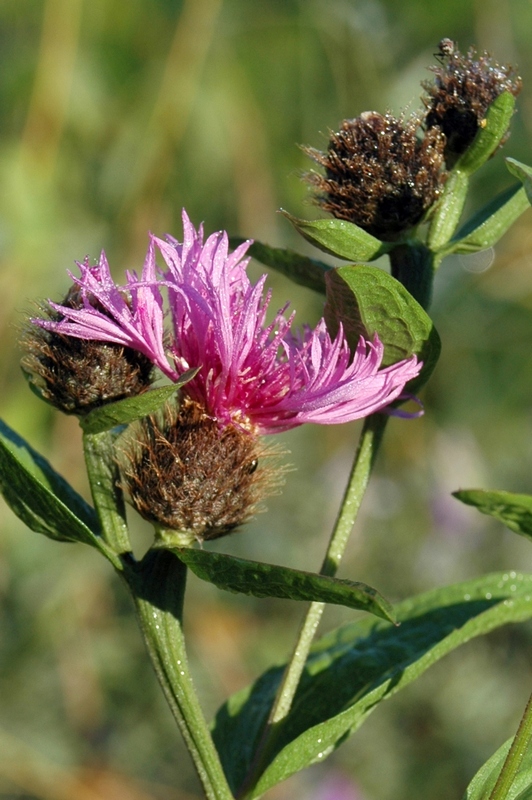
{"x":340,"y":238}
{"x":524,"y":174}
{"x":354,"y":668}
{"x":41,"y":498}
{"x":132,"y":408}
{"x":300,"y":269}
{"x":449,"y":207}
{"x":486,"y":778}
{"x":513,"y":510}
{"x":367,"y":300}
{"x":488,"y":138}
{"x":268,"y":580}
{"x":448,"y":210}
{"x":487,"y":226}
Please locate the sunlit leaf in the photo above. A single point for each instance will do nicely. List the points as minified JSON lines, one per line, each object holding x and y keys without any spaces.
{"x":354,"y":668}
{"x":448,"y":210}
{"x":513,"y":510}
{"x":524,"y":173}
{"x":40,"y":497}
{"x":126,"y":411}
{"x":487,"y":226}
{"x":340,"y":238}
{"x":367,"y":300}
{"x":268,"y":580}
{"x":490,"y":134}
{"x":485,"y":779}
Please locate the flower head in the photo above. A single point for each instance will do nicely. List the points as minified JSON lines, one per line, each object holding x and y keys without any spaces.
{"x":78,"y":375}
{"x":183,"y":473}
{"x":463,"y":89}
{"x":257,"y":375}
{"x":379,"y":173}
{"x":131,"y":316}
{"x":199,"y":469}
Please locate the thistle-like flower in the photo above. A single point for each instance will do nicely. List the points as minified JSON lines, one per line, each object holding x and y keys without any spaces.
{"x":463,"y":89}
{"x":380,"y":173}
{"x":261,"y":377}
{"x":254,"y":378}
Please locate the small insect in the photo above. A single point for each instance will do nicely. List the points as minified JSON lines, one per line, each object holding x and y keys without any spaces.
{"x":252,"y":466}
{"x":446,"y":48}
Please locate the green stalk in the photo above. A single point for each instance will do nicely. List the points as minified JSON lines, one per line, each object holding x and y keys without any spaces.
{"x":368,"y":446}
{"x":413,"y":265}
{"x":104,"y":479}
{"x":515,"y":755}
{"x":358,"y":480}
{"x":158,"y":586}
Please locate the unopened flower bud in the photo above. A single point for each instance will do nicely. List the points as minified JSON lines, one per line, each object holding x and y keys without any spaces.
{"x":380,"y":173}
{"x":461,"y":93}
{"x":78,"y":375}
{"x":186,"y":473}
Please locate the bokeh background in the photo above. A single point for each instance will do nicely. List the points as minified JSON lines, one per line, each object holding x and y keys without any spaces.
{"x":113,"y":116}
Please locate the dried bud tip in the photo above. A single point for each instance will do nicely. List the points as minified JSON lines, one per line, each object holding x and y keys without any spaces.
{"x":461,"y":93}
{"x":380,"y":173}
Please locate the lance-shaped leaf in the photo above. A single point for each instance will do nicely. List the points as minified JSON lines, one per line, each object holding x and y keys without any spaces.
{"x":367,"y":300}
{"x":353,"y":669}
{"x":126,"y":411}
{"x":268,"y":580}
{"x":487,"y":226}
{"x":41,"y":498}
{"x":485,"y":779}
{"x":300,"y":269}
{"x":490,"y":134}
{"x":513,"y":510}
{"x":524,"y":173}
{"x":340,"y":238}
{"x":448,"y":210}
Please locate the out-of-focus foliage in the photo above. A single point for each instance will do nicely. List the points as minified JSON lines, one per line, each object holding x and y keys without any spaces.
{"x":113,"y":117}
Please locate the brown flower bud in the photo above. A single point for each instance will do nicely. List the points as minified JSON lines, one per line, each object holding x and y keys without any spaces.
{"x":380,"y":173}
{"x":78,"y":375}
{"x":185,"y":473}
{"x":461,"y":93}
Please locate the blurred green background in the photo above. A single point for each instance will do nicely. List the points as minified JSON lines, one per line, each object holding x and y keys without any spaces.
{"x":113,"y":116}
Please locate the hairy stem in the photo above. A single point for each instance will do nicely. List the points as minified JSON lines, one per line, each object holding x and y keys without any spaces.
{"x":515,"y":755}
{"x":356,"y":486}
{"x":158,"y":585}
{"x":358,"y":480}
{"x":107,"y":495}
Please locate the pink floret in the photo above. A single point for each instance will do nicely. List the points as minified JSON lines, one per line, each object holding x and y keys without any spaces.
{"x":262,"y":377}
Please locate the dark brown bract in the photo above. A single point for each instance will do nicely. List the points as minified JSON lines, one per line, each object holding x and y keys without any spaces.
{"x":462,"y":91}
{"x":380,"y":173}
{"x":79,"y":375}
{"x":185,"y":473}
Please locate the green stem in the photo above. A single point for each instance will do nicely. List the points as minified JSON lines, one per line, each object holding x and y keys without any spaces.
{"x":358,"y":480}
{"x":515,"y":755}
{"x":356,"y":486}
{"x":158,"y":585}
{"x":108,"y":498}
{"x":413,"y":265}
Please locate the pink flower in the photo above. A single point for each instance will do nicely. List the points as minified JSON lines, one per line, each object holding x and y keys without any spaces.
{"x":260,"y":377}
{"x":131,"y":316}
